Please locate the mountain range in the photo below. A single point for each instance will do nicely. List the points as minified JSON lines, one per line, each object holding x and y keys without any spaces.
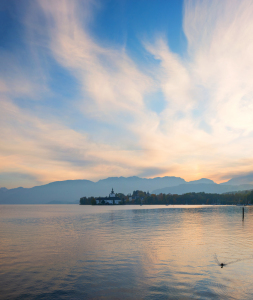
{"x":70,"y":191}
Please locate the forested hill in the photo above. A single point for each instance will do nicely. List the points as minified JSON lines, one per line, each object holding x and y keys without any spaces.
{"x":140,"y":197}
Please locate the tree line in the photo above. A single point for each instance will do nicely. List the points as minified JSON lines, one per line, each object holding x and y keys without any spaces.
{"x":140,"y":197}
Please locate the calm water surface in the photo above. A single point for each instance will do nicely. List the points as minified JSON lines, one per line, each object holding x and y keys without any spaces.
{"x":125,"y":252}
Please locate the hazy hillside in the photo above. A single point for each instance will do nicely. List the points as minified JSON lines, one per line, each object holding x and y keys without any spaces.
{"x":71,"y":191}
{"x":247,"y":179}
{"x":202,"y":180}
{"x":202,"y":187}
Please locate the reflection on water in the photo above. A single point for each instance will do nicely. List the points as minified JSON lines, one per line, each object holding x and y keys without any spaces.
{"x":125,"y":252}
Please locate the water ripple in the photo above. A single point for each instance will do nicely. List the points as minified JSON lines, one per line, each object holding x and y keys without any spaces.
{"x":125,"y":252}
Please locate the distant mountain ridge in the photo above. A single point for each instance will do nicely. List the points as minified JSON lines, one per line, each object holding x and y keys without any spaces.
{"x":246,"y":179}
{"x":70,"y":191}
{"x":203,"y":187}
{"x":3,"y":190}
{"x":202,"y":180}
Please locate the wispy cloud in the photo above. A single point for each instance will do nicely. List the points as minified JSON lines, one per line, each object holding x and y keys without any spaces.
{"x":106,"y":128}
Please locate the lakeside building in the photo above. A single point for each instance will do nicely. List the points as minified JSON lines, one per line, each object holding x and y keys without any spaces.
{"x":112,"y":199}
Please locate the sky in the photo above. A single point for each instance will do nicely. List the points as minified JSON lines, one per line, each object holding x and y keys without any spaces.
{"x":102,"y":88}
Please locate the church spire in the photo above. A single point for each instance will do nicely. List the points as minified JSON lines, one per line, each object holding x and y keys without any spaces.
{"x":112,"y":194}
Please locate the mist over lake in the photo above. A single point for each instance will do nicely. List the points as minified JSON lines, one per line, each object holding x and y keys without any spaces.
{"x":125,"y":252}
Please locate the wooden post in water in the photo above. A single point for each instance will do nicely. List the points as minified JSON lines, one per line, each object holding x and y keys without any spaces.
{"x":243,"y":213}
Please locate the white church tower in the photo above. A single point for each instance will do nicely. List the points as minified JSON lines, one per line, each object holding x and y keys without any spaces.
{"x":112,"y":194}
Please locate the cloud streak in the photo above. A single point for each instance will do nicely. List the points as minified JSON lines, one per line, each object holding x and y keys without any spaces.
{"x":106,"y":128}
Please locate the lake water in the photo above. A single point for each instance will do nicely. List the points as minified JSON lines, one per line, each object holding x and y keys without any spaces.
{"x":125,"y":252}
